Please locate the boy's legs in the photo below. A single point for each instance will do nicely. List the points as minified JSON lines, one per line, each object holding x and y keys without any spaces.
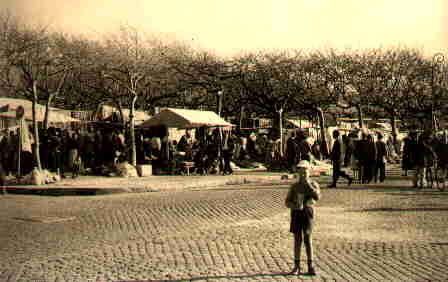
{"x":297,"y":251}
{"x":309,"y":252}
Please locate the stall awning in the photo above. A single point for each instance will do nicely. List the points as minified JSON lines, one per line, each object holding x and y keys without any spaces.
{"x":105,"y":112}
{"x":181,"y":118}
{"x":11,"y":104}
{"x":301,"y":123}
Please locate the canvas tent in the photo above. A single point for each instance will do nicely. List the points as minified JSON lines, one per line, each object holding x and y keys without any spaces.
{"x":105,"y":113}
{"x":181,"y":118}
{"x":11,"y":104}
{"x":300,"y":123}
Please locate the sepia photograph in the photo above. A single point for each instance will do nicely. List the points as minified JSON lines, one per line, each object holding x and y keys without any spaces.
{"x":223,"y":140}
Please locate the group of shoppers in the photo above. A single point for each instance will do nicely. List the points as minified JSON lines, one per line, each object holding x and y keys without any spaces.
{"x":366,"y":153}
{"x":215,"y":150}
{"x":420,"y":153}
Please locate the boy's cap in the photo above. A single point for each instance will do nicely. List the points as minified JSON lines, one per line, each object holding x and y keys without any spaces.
{"x":304,"y":164}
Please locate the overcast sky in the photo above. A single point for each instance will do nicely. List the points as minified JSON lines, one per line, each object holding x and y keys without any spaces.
{"x":228,"y":27}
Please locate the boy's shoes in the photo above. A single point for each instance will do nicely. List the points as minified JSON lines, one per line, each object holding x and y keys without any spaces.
{"x":295,"y":270}
{"x":311,"y":271}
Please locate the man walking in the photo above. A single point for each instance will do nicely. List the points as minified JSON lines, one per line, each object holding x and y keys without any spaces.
{"x":337,"y":159}
{"x":381,"y":158}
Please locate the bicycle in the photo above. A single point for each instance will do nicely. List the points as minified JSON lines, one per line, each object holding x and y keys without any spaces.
{"x":440,"y":176}
{"x":436,"y":175}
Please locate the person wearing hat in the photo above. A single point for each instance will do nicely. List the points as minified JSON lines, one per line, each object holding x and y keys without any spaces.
{"x":336,"y":157}
{"x":301,"y":198}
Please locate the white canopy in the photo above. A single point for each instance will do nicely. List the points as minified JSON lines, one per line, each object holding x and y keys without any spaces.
{"x":180,"y":118}
{"x":107,"y":111}
{"x":56,"y":115}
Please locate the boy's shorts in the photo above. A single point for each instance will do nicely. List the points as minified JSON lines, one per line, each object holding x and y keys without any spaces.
{"x":302,"y":220}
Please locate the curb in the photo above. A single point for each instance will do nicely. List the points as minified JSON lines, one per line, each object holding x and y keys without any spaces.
{"x":150,"y":185}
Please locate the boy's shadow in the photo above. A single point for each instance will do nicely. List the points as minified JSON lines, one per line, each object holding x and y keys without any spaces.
{"x":260,"y":275}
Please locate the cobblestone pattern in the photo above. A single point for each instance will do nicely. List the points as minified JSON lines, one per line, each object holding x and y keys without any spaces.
{"x":224,"y":235}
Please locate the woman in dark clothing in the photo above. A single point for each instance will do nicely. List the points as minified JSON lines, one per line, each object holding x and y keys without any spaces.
{"x":409,"y":147}
{"x":369,"y":159}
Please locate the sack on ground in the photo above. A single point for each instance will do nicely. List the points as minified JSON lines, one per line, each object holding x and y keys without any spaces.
{"x":126,"y":170}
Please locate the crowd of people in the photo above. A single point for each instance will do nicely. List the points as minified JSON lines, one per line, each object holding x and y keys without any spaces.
{"x":96,"y":150}
{"x":365,"y":153}
{"x":212,"y":151}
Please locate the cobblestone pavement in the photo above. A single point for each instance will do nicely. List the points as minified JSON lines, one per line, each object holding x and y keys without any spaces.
{"x":235,"y":233}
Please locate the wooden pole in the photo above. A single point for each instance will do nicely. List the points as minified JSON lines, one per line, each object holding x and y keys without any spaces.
{"x":19,"y":174}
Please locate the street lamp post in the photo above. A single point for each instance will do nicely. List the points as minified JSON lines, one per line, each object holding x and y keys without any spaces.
{"x":280,"y":112}
{"x":437,"y":61}
{"x":220,"y":92}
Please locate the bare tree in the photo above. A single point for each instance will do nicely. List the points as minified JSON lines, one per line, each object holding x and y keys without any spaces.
{"x":25,"y":56}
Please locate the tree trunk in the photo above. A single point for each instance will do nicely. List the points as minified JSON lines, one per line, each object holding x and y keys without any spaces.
{"x":324,"y":144}
{"x":360,"y":116}
{"x":241,"y":116}
{"x":132,"y":132}
{"x":120,"y":110}
{"x":36,"y":129}
{"x":394,"y":134}
{"x":394,"y":129}
{"x":280,"y":112}
{"x":47,"y":110}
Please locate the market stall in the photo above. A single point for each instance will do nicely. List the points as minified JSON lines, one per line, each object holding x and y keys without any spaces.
{"x":178,"y":119}
{"x":182,"y":118}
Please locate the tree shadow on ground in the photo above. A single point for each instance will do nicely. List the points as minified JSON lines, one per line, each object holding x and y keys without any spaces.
{"x":248,"y":277}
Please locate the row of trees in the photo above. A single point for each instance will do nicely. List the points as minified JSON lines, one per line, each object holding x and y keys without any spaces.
{"x":132,"y":70}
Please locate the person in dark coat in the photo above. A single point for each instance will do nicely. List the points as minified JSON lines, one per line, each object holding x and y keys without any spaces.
{"x":303,"y":147}
{"x":316,"y":151}
{"x":369,"y":159}
{"x":382,"y":156}
{"x":409,"y":147}
{"x":99,"y":154}
{"x":424,"y":158}
{"x":156,"y":155}
{"x":291,"y":152}
{"x":363,"y":151}
{"x":5,"y":151}
{"x":228,"y":147}
{"x":55,"y":145}
{"x":336,"y":160}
